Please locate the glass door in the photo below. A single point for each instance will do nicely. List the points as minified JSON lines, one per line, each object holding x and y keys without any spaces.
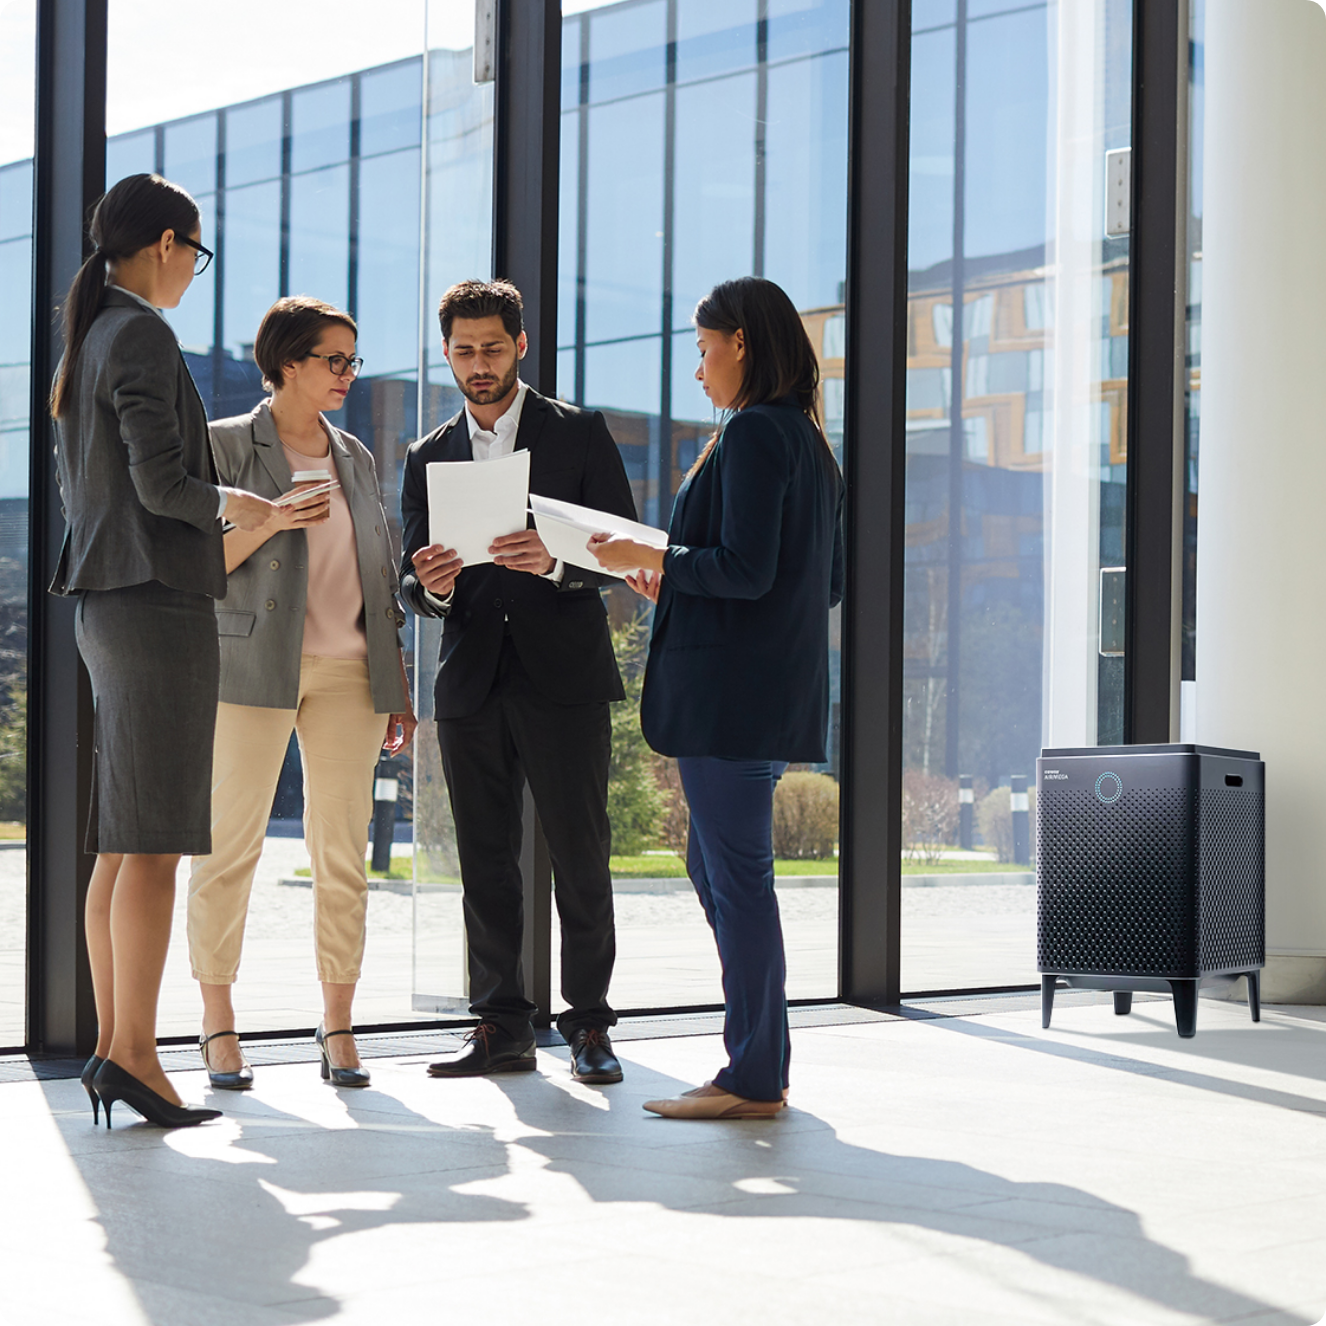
{"x":699,"y":142}
{"x":18,"y":66}
{"x":319,"y":170}
{"x":1016,"y":449}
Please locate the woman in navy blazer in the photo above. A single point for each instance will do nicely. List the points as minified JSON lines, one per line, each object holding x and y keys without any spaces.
{"x":737,"y":685}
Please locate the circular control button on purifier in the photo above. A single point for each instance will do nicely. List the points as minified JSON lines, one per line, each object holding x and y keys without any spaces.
{"x":1109,"y":788}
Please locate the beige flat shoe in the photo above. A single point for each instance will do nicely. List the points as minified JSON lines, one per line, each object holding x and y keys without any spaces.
{"x":711,"y":1102}
{"x":699,"y":1091}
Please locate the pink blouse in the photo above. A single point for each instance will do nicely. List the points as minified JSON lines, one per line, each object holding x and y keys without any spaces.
{"x":334,"y":614}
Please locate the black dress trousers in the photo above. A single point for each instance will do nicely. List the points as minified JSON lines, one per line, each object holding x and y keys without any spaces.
{"x":519,"y":734}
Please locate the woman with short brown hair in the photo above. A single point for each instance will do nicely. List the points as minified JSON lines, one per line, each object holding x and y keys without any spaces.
{"x":309,"y":644}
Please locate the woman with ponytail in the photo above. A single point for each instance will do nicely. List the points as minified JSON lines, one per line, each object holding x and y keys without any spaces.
{"x":143,"y":555}
{"x":737,"y":684}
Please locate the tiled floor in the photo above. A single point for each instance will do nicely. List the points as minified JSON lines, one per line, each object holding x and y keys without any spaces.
{"x":966,"y":1170}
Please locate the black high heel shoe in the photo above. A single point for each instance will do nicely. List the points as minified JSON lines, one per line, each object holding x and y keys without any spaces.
{"x":241,"y":1079}
{"x":89,"y":1072}
{"x":338,"y":1077}
{"x":113,"y":1083}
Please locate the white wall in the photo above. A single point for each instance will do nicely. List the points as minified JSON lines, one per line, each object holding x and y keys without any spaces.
{"x":1261,"y":569}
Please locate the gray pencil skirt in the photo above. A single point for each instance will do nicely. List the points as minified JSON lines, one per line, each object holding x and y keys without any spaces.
{"x":152,"y":654}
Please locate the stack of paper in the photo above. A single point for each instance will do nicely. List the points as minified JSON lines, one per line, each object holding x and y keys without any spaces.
{"x":473,"y":502}
{"x":565,"y":529}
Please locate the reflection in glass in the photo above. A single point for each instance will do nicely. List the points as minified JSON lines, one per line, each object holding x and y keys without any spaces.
{"x":388,"y":299}
{"x":320,"y":216}
{"x":17,"y":92}
{"x":190,"y":154}
{"x":1017,"y":319}
{"x":389,"y":109}
{"x":320,"y":126}
{"x":732,"y":165}
{"x":253,"y":141}
{"x":623,"y":222}
{"x":1193,"y":377}
{"x":253,"y":261}
{"x":294,"y":202}
{"x":130,"y":154}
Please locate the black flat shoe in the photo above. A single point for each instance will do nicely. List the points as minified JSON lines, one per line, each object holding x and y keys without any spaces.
{"x":488,"y":1050}
{"x":241,"y":1079}
{"x":338,"y":1077}
{"x":89,"y":1072}
{"x":112,"y":1083}
{"x":592,"y":1059}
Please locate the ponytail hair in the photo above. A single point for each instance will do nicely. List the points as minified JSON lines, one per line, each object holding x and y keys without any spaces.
{"x":131,"y":216}
{"x":780,"y":360}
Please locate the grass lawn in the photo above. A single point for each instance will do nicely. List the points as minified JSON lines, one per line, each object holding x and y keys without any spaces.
{"x":672,"y":867}
{"x":13,"y":833}
{"x":963,"y":868}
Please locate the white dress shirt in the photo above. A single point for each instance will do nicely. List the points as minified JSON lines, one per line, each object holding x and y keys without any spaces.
{"x":152,"y":308}
{"x":491,"y":444}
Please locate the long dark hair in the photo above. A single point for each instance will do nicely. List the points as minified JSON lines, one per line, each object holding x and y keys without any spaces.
{"x":131,"y":216}
{"x":780,"y":360}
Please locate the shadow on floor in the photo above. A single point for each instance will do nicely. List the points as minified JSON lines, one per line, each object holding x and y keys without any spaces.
{"x":242,"y":1221}
{"x":774,"y":1170}
{"x":1264,"y":1045}
{"x":195,"y":1231}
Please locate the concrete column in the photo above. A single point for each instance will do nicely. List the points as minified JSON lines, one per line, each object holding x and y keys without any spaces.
{"x":1261,"y":605}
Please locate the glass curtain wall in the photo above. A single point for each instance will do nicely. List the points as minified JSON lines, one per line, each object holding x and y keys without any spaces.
{"x":18,"y":63}
{"x":357,"y":171}
{"x":1016,"y":443}
{"x":1193,"y":363}
{"x":699,"y":142}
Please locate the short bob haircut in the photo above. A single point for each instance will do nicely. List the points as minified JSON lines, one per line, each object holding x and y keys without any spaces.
{"x":289,"y":331}
{"x":483,"y":299}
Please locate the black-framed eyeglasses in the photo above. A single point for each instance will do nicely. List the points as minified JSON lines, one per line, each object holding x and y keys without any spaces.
{"x":340,"y":365}
{"x":202,"y":258}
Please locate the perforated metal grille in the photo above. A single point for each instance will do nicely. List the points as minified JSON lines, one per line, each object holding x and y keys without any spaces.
{"x":1233,"y":897}
{"x":1116,"y":884}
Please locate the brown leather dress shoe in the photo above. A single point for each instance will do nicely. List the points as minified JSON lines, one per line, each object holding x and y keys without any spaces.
{"x":711,"y":1102}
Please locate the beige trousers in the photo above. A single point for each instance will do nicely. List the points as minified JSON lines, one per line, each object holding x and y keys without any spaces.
{"x":340,"y":738}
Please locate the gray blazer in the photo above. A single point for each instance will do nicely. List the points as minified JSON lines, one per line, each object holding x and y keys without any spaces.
{"x":133,"y":463}
{"x":261,"y":620}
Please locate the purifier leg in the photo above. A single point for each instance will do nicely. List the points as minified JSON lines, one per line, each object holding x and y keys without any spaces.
{"x":1255,"y":995}
{"x":1123,"y":1002}
{"x":1047,"y":999}
{"x":1185,"y":1007}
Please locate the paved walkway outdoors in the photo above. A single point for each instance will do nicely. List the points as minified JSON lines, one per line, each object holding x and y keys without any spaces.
{"x":955,"y":936}
{"x":929,"y":1173}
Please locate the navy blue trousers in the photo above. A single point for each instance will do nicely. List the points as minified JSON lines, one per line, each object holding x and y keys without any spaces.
{"x":730,"y":861}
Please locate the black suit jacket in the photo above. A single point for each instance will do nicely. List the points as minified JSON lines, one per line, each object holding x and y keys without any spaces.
{"x":739,"y":658}
{"x":559,"y":631}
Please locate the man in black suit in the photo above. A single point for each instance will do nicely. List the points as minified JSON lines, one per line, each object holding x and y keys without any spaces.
{"x":523,"y":686}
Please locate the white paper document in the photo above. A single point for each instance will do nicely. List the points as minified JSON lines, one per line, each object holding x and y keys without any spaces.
{"x":473,"y":502}
{"x":565,"y":528}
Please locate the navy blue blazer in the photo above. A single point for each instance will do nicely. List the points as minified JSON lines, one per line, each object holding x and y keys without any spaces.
{"x":739,"y":658}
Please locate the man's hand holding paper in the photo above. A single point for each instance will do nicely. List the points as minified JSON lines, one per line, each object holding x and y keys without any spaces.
{"x":473,"y":503}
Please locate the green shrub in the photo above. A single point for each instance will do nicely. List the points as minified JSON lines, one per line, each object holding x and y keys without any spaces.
{"x":637,"y":803}
{"x":14,"y":755}
{"x":994,"y":819}
{"x":805,"y":816}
